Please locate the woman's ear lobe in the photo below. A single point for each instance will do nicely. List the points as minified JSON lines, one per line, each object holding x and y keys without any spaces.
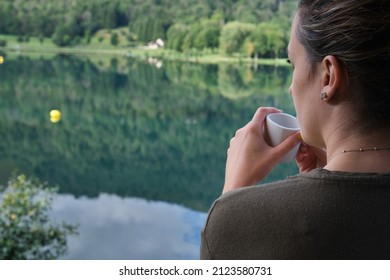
{"x":332,"y":76}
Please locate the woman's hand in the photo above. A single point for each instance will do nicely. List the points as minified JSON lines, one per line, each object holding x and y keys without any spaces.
{"x":309,"y":158}
{"x":249,"y":158}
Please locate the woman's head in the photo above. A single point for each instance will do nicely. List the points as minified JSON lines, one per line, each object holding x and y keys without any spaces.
{"x":357,"y":33}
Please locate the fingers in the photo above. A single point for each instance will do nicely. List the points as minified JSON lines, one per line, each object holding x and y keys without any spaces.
{"x":256,"y":124}
{"x":302,"y":152}
{"x":309,"y":158}
{"x":289,"y":143}
{"x":262,"y":112}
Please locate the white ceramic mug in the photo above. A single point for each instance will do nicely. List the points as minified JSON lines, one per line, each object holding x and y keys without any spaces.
{"x":278,"y":127}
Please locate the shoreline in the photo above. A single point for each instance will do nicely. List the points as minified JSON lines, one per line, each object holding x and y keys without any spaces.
{"x":141,"y":53}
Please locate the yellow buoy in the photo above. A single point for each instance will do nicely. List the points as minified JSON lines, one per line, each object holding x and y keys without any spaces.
{"x":1,"y":59}
{"x":55,"y":116}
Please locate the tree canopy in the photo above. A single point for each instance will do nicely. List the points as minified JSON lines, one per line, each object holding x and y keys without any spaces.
{"x":26,"y":231}
{"x":184,"y":24}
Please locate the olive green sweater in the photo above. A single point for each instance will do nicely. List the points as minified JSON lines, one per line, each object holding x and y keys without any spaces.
{"x":316,"y":215}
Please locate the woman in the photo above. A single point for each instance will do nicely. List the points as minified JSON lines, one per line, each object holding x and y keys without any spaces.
{"x":338,"y":207}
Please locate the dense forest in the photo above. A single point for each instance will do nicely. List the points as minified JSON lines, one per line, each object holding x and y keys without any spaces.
{"x":251,"y":27}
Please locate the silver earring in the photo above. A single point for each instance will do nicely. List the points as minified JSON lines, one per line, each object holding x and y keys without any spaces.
{"x":324,"y":96}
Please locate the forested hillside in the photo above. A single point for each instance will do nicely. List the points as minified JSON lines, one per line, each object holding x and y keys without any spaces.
{"x":253,"y":27}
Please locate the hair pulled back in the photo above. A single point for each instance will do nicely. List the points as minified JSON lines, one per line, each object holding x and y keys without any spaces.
{"x":357,"y":32}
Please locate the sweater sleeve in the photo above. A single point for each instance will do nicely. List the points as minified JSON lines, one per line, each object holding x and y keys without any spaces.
{"x":204,"y":250}
{"x":205,"y":253}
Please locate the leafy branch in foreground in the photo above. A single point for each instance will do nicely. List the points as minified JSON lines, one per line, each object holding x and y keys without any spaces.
{"x":26,"y":231}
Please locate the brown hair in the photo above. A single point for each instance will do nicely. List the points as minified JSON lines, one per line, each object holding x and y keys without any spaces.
{"x":357,"y":32}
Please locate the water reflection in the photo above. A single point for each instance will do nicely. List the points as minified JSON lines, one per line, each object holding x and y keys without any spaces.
{"x":159,"y":134}
{"x":111,"y":227}
{"x":130,"y":130}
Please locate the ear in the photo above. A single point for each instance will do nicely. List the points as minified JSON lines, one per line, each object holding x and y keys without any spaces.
{"x":332,"y":77}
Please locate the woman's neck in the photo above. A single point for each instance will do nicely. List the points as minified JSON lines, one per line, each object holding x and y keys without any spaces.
{"x":360,"y":153}
{"x":362,"y":162}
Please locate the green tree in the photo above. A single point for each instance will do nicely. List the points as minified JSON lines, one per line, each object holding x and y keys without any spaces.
{"x":26,"y":231}
{"x":61,"y":37}
{"x":207,"y":38}
{"x":233,"y":36}
{"x":9,"y":20}
{"x":266,"y":40}
{"x":189,"y":39}
{"x":68,"y":34}
{"x":175,"y":36}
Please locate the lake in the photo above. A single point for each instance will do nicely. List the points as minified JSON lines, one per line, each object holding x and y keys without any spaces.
{"x":139,"y":152}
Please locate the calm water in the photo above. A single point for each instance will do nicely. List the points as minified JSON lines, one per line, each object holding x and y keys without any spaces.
{"x":139,"y":152}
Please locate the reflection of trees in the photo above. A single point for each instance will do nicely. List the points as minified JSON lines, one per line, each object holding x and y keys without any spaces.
{"x":242,"y":81}
{"x":153,"y":133}
{"x":234,"y":83}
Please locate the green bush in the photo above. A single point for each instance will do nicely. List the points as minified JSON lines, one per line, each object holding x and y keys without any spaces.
{"x":114,"y":39}
{"x":26,"y":231}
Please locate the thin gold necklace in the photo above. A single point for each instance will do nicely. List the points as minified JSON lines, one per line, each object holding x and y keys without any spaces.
{"x":375,"y":149}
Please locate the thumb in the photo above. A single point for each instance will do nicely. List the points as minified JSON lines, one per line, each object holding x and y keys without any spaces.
{"x":288,"y":144}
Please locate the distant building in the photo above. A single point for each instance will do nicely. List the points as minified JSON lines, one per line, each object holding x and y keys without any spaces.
{"x":159,"y":43}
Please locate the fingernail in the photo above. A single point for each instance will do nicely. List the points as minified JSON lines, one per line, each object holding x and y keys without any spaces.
{"x":299,"y":137}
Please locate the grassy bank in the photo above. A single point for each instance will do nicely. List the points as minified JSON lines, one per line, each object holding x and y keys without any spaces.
{"x":103,"y":48}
